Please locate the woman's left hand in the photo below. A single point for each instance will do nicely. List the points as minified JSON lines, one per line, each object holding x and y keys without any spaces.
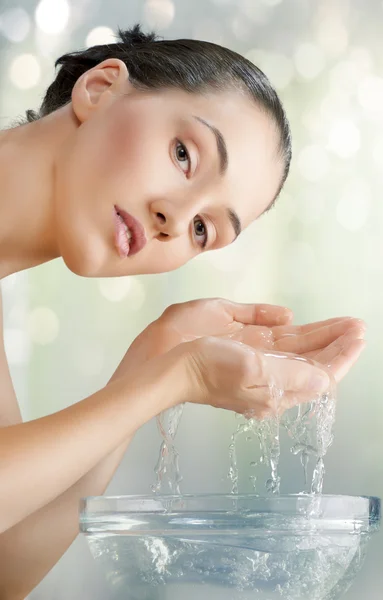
{"x":335,"y":343}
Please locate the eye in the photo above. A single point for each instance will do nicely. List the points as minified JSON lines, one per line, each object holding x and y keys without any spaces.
{"x":182,"y":156}
{"x":200,"y":231}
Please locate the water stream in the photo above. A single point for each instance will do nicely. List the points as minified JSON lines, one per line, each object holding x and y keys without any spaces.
{"x":309,"y":432}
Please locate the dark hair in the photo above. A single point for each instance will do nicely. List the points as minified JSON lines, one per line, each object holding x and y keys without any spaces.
{"x":191,"y":65}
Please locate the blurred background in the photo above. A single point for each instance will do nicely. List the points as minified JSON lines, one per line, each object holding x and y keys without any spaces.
{"x":320,"y":251}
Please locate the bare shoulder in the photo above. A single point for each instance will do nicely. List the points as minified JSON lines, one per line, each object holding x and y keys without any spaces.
{"x":1,"y":310}
{"x":1,"y":321}
{"x":9,"y":408}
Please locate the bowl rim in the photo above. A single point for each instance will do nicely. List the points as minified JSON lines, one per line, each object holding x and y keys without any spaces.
{"x":358,"y":514}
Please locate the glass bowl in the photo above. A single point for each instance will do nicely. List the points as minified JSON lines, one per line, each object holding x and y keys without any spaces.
{"x":229,"y":547}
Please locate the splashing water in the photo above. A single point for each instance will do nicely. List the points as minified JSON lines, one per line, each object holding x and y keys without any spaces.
{"x":308,"y":426}
{"x":167,"y":469}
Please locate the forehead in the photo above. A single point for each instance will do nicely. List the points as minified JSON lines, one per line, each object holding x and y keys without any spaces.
{"x":254,"y":164}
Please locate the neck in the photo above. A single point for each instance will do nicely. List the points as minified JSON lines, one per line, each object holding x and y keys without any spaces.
{"x":27,"y":171}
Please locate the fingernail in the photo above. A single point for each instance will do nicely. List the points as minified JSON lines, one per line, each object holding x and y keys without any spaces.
{"x":319,"y":382}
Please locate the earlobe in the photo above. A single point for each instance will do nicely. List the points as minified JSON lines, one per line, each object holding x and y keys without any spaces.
{"x":98,"y":87}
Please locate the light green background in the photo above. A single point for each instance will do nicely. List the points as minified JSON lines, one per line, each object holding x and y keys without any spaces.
{"x":319,"y":252}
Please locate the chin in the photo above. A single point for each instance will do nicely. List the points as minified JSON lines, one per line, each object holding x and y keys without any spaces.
{"x":88,"y":263}
{"x":80,"y":267}
{"x":85,"y":259}
{"x":90,"y":257}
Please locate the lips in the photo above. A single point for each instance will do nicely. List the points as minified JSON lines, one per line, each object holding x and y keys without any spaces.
{"x":131,"y":242}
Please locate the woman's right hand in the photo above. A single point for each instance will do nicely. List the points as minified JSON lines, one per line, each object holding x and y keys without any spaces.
{"x":231,"y":375}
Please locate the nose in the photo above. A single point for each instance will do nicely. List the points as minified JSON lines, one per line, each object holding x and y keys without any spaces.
{"x":172,"y":219}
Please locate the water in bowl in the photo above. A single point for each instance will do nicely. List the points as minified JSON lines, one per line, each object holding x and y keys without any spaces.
{"x":250,"y":550}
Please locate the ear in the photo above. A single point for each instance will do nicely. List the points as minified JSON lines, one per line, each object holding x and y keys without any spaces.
{"x":98,"y":87}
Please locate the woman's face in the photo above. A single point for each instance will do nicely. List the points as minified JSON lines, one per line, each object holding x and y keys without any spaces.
{"x":186,"y":170}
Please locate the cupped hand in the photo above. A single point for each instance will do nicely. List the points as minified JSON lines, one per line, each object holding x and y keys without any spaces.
{"x":229,"y":374}
{"x":188,"y":321}
{"x":334,"y":343}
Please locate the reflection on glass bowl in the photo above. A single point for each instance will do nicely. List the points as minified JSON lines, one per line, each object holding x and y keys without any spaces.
{"x":218,"y":547}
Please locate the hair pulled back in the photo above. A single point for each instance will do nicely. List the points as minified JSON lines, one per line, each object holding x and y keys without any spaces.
{"x":191,"y":65}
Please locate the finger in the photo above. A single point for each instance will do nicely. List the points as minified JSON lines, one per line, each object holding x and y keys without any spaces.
{"x":293,"y":342}
{"x":307,"y":327}
{"x":342,"y":354}
{"x":341,"y":365}
{"x":259,"y":314}
{"x":328,"y":354}
{"x":319,"y":338}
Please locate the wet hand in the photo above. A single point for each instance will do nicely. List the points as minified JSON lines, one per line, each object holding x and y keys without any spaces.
{"x":335,"y":343}
{"x":199,"y":318}
{"x":229,"y":374}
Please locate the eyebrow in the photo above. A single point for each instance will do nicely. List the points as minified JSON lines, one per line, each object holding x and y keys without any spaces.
{"x":221,"y":145}
{"x":235,"y":221}
{"x":224,"y":162}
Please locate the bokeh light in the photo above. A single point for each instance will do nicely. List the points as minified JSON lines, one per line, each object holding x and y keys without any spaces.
{"x":354,"y":205}
{"x":310,"y":206}
{"x":257,"y":12}
{"x":52,"y":16}
{"x":279,"y":68}
{"x":16,"y":345}
{"x":332,"y":36}
{"x":370,"y":93}
{"x":43,"y":325}
{"x":309,"y":60}
{"x":377,"y":153}
{"x":344,"y":138}
{"x":15,"y":24}
{"x":313,"y":162}
{"x":114,"y":289}
{"x":119,"y":288}
{"x":100,"y":35}
{"x":25,"y":71}
{"x":159,"y":13}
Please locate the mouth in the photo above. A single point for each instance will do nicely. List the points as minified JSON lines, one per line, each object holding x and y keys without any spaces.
{"x":129,"y":233}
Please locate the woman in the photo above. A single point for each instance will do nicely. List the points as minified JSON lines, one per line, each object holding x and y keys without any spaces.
{"x":144,"y":154}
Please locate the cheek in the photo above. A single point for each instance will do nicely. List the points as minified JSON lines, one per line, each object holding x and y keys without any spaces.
{"x":138,"y":143}
{"x":162,"y":257}
{"x":107,"y":153}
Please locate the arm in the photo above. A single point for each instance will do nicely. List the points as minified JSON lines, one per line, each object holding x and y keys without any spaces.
{"x":9,"y":408}
{"x":33,"y":546}
{"x":30,"y":549}
{"x":73,"y":453}
{"x":63,"y":447}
